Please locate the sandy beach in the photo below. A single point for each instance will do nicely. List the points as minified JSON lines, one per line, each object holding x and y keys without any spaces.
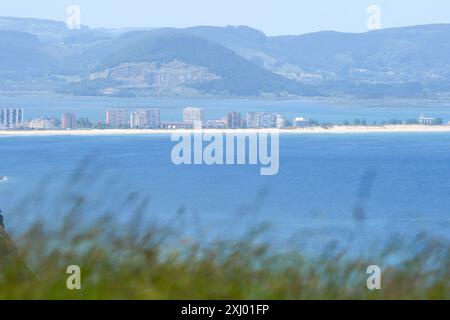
{"x":311,"y":130}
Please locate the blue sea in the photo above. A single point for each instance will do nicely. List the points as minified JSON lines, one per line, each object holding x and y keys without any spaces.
{"x":356,"y":189}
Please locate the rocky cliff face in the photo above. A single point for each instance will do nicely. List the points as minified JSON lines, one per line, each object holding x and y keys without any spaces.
{"x":174,"y":74}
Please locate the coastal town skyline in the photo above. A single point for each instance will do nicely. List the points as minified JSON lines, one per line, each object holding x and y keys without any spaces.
{"x":191,"y":118}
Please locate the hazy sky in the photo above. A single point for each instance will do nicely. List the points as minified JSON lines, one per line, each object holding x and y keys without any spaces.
{"x":274,"y":17}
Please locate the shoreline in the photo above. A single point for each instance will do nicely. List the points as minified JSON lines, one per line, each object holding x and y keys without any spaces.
{"x":343,"y":99}
{"x":311,"y":130}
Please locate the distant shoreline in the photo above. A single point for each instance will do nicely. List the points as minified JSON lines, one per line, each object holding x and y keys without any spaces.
{"x":337,"y":101}
{"x":310,"y":130}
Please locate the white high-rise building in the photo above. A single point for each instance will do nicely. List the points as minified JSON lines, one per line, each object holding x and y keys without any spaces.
{"x":153,"y":118}
{"x":252,"y":120}
{"x":145,"y":118}
{"x":265,"y":120}
{"x":280,"y":121}
{"x":138,"y":119}
{"x":117,"y":117}
{"x":194,"y":117}
{"x":11,"y":117}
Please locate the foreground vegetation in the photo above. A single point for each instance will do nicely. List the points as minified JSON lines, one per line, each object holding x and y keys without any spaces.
{"x":138,"y":259}
{"x":120,"y":265}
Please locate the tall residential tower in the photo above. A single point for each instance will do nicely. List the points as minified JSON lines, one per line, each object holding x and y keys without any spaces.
{"x":11,"y":117}
{"x":194,"y":117}
{"x":117,"y":117}
{"x":68,"y":121}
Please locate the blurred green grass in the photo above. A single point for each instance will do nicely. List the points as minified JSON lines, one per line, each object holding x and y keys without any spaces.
{"x":121,"y":266}
{"x":135,"y":260}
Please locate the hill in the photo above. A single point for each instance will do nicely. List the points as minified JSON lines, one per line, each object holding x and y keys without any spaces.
{"x":228,"y":61}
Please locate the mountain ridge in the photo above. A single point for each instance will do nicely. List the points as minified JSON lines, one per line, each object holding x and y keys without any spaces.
{"x":399,"y":62}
